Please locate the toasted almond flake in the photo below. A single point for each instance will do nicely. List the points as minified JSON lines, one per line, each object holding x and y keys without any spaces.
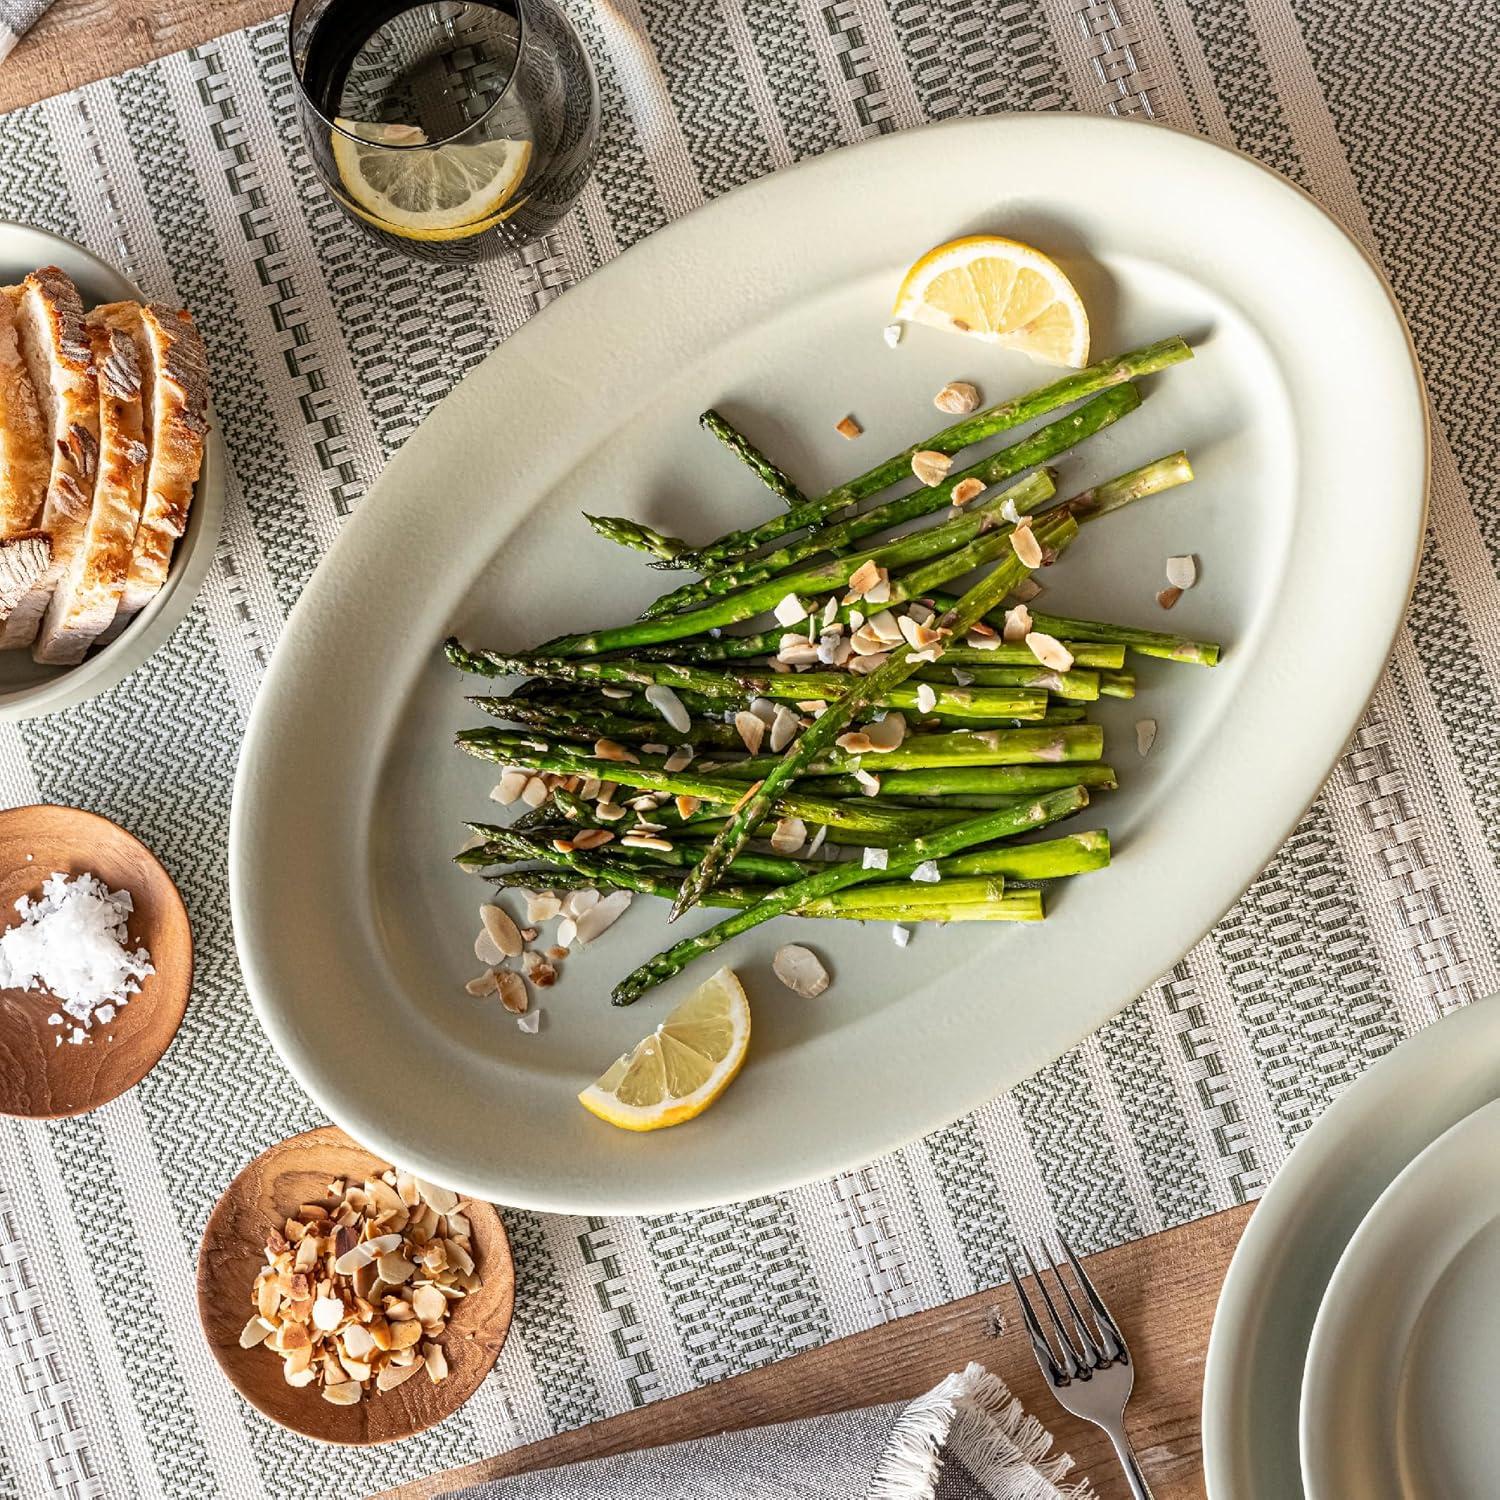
{"x":509,"y":787}
{"x":608,"y":812}
{"x":927,"y":872}
{"x":537,"y":970}
{"x":958,"y":398}
{"x":679,"y":759}
{"x":652,"y":749}
{"x":502,"y":929}
{"x":514,"y":998}
{"x":789,"y":835}
{"x":977,"y":642}
{"x":874,"y":859}
{"x":812,"y":705}
{"x":789,"y":610}
{"x":930,"y":466}
{"x":900,"y":935}
{"x":880,"y":591}
{"x":428,"y":1303}
{"x":884,"y":626}
{"x":1026,"y":546}
{"x":847,"y":427}
{"x":1145,"y":736}
{"x":567,"y":930}
{"x":830,"y":610}
{"x":530,"y":1022}
{"x":542,"y":906}
{"x":865,"y":642}
{"x":926,"y":697}
{"x":435,"y":1363}
{"x":599,"y":918}
{"x":800,"y":970}
{"x":855,"y":742}
{"x":920,"y":637}
{"x":687,"y":806}
{"x":785,"y":726}
{"x":1017,"y":624}
{"x":483,"y":984}
{"x":575,"y":903}
{"x":1168,"y":596}
{"x":1049,"y":651}
{"x":254,"y":1332}
{"x":801,"y":653}
{"x":817,"y":840}
{"x":535,"y":792}
{"x":592,"y":838}
{"x":869,"y":783}
{"x":669,"y":706}
{"x":1182,"y":572}
{"x":966,"y":490}
{"x":344,"y":1393}
{"x":764,"y":709}
{"x":485,"y":949}
{"x":863,"y":665}
{"x":389,"y":1378}
{"x":607,"y":749}
{"x":887,"y":732}
{"x":305,"y":1376}
{"x":751,"y":730}
{"x":615,"y":692}
{"x":645,"y":804}
{"x":394,"y":1268}
{"x":891,"y":333}
{"x":646,"y":841}
{"x":864,"y":577}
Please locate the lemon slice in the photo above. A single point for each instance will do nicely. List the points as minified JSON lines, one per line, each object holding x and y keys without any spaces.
{"x":426,"y":193}
{"x":683,"y":1066}
{"x":1001,"y":291}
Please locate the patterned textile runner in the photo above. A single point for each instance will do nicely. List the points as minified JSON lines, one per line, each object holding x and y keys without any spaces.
{"x":1381,"y":912}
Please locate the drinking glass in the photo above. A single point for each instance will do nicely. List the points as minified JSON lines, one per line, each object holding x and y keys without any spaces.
{"x":450,"y":129}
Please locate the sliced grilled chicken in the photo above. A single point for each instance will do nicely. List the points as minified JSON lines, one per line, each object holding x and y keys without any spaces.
{"x":55,"y":349}
{"x":174,"y":386}
{"x":24,"y":558}
{"x":25,"y":456}
{"x":88,"y":593}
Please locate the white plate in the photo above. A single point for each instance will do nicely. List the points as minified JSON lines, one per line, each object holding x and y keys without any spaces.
{"x":1299,"y":1230}
{"x":28,"y":689}
{"x":1398,"y":1396}
{"x":1303,"y":412}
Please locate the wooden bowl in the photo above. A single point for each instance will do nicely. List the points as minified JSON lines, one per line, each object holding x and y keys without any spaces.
{"x":38,"y":1078}
{"x":260,"y":1199}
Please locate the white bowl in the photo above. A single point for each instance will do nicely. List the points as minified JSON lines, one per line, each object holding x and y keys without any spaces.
{"x":28,"y":689}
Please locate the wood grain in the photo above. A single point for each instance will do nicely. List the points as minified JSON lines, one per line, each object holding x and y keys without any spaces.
{"x":40,"y":1079}
{"x":79,"y":41}
{"x":264,"y":1195}
{"x":1162,"y":1291}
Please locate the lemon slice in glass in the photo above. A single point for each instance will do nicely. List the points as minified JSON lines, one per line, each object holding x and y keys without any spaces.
{"x":1001,"y":291}
{"x":674,"y":1074}
{"x":426,"y":192}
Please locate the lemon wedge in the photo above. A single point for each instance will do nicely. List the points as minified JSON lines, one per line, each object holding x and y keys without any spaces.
{"x":674,"y":1074}
{"x":436,"y":192}
{"x":1001,"y":291}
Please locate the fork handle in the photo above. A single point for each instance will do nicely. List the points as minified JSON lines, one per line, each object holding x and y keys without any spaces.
{"x":1139,"y":1489}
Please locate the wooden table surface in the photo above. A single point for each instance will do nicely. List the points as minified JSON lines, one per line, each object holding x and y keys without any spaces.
{"x":1163,"y":1289}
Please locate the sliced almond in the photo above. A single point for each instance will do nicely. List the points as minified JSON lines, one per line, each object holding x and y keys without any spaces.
{"x":1168,"y":596}
{"x":607,"y":749}
{"x":1017,"y":624}
{"x":977,"y":642}
{"x":393,"y":1375}
{"x":669,"y":706}
{"x":926,"y":697}
{"x":855,"y":742}
{"x":598,"y":918}
{"x":680,"y":759}
{"x":1049,"y":650}
{"x":930,"y":466}
{"x":513,"y":997}
{"x":436,"y":1363}
{"x":328,"y":1313}
{"x":428,"y":1303}
{"x":542,"y":906}
{"x":510,"y":786}
{"x":789,"y":610}
{"x":800,"y":970}
{"x":966,"y":490}
{"x":864,"y":577}
{"x":887,"y":733}
{"x":537,"y":970}
{"x":785,"y":727}
{"x":345,"y":1393}
{"x":1026,"y":546}
{"x":751,"y":730}
{"x":884,"y":626}
{"x":536,"y":791}
{"x":862,"y":666}
{"x":869,"y":783}
{"x":789,"y":835}
{"x":847,"y":427}
{"x":502,"y":929}
{"x":1182,"y":572}
{"x":592,"y":838}
{"x":958,"y":397}
{"x":687,"y":806}
{"x":254,"y":1332}
{"x":1145,"y":736}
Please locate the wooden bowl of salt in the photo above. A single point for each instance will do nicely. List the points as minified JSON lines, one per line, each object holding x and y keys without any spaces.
{"x":66,"y":1047}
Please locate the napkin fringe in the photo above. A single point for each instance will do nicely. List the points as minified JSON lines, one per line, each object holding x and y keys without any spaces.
{"x":973,"y":1414}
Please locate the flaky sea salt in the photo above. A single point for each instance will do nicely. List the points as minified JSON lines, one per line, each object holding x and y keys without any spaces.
{"x":71,"y":943}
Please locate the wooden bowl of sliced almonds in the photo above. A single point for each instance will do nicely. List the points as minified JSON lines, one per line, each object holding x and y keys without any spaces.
{"x":348,"y":1301}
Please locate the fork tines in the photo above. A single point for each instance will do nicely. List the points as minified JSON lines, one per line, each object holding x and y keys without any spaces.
{"x":1094,"y":1343}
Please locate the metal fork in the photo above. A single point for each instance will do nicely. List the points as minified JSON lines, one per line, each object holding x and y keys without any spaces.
{"x":1089,"y":1368}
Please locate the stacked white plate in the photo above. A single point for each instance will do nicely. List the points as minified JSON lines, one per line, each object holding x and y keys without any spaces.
{"x":1353,"y":1350}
